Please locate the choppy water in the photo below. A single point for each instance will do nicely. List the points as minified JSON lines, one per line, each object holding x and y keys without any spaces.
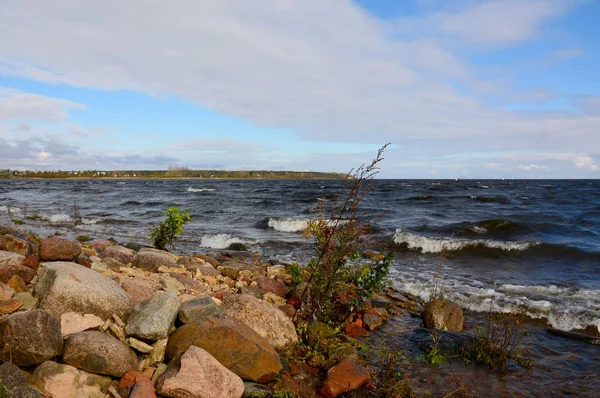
{"x":528,"y":247}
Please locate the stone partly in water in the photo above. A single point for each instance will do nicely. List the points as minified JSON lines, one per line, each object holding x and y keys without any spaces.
{"x":443,"y":315}
{"x":64,"y":381}
{"x":347,"y":375}
{"x":13,"y":383}
{"x":265,"y":319}
{"x":58,"y":249}
{"x":196,"y":309}
{"x":30,"y":338}
{"x":199,"y":374}
{"x":97,"y":352}
{"x":152,"y":319}
{"x":233,"y":344}
{"x":64,"y":287}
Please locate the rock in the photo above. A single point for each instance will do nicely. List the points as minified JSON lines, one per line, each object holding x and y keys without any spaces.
{"x":237,"y":255}
{"x":139,"y":346}
{"x":17,"y":284}
{"x":196,"y":309}
{"x":131,"y":378}
{"x":152,"y":260}
{"x":15,"y":244}
{"x":14,"y":384}
{"x":212,"y":261}
{"x":119,"y":253}
{"x":251,"y":290}
{"x":294,"y":302}
{"x":233,"y":344}
{"x":354,"y":330}
{"x":84,"y":260}
{"x":189,"y":284}
{"x":136,"y":247}
{"x":268,"y":285}
{"x":10,"y":265}
{"x":273,"y":298}
{"x":347,"y":375}
{"x":171,"y":284}
{"x":97,"y":352}
{"x":298,"y":291}
{"x":30,"y":338}
{"x":268,"y":321}
{"x":288,"y":310}
{"x":58,"y":249}
{"x":237,"y":246}
{"x":101,"y":245}
{"x":443,"y":315}
{"x":32,"y":261}
{"x":29,"y":302}
{"x":71,"y":322}
{"x":157,"y":356}
{"x":380,"y":303}
{"x":316,"y":331}
{"x":64,"y":287}
{"x":199,"y":374}
{"x":64,"y":381}
{"x":139,"y":290}
{"x":255,"y":390}
{"x":205,"y":270}
{"x":152,"y":319}
{"x":232,"y":269}
{"x":112,"y":264}
{"x":9,"y":306}
{"x":6,"y":292}
{"x":372,"y":321}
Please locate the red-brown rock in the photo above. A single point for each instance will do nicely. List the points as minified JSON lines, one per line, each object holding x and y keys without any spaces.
{"x":347,"y":375}
{"x":269,"y":285}
{"x":143,"y":389}
{"x":17,"y":284}
{"x":101,"y":245}
{"x":294,"y":302}
{"x":138,"y":290}
{"x":56,"y":249}
{"x":8,"y":271}
{"x":119,"y":253}
{"x":32,"y":261}
{"x":288,"y":309}
{"x":354,"y":330}
{"x":130,"y":378}
{"x":15,"y":245}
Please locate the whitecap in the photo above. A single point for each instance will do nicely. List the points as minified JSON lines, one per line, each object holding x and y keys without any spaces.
{"x":58,"y":218}
{"x":287,"y":224}
{"x":191,"y":189}
{"x":223,"y":241}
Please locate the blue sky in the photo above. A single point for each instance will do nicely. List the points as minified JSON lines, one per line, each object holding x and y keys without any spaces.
{"x":461,"y":88}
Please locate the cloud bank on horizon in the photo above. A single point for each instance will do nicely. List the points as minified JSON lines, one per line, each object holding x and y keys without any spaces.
{"x":462,"y":88}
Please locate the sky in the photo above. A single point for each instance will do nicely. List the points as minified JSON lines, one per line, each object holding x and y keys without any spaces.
{"x":460,"y":88}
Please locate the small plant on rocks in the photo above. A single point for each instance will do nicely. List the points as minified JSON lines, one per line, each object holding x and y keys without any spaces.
{"x":168,"y":230}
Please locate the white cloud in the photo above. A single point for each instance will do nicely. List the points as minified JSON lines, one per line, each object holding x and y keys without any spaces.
{"x":326,"y":69}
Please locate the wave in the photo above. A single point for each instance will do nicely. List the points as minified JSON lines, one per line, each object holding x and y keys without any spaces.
{"x":561,"y":307}
{"x":287,"y":224}
{"x":59,"y":218}
{"x":420,"y":197}
{"x":190,"y":189}
{"x":436,"y":245}
{"x":223,"y":241}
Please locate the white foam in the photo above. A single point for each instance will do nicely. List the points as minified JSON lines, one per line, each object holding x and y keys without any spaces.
{"x":436,"y":245}
{"x":57,"y":218}
{"x":92,"y":221}
{"x":287,"y":224}
{"x":191,"y":189}
{"x":223,"y":241}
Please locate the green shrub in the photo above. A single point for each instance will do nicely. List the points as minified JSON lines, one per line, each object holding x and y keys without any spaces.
{"x":168,"y":230}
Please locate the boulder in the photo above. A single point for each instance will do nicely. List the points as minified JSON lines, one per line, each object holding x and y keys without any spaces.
{"x":233,"y":344}
{"x":101,"y":245}
{"x":188,"y":283}
{"x":138,"y":289}
{"x":269,"y":285}
{"x":171,"y":284}
{"x":232,"y":269}
{"x":99,"y":353}
{"x":119,"y":253}
{"x":152,"y":260}
{"x":111,"y":264}
{"x":199,"y":374}
{"x":152,"y":319}
{"x":58,"y":249}
{"x":64,"y":381}
{"x":68,"y":287}
{"x":265,"y":319}
{"x":71,"y":322}
{"x":198,"y":308}
{"x":347,"y":375}
{"x":30,"y":338}
{"x":17,"y":244}
{"x":14,"y":384}
{"x":443,"y":315}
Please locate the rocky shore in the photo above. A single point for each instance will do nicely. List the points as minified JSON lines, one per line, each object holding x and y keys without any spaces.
{"x":99,"y":319}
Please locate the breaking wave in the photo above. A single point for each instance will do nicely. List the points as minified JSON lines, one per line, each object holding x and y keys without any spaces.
{"x":223,"y":241}
{"x":191,"y":189}
{"x":287,"y":224}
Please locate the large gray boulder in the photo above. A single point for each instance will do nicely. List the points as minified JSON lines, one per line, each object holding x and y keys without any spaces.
{"x":97,"y":352}
{"x":30,"y":338}
{"x":198,"y":374}
{"x":119,"y":253}
{"x":265,"y":319}
{"x":152,"y":319}
{"x":68,"y":287}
